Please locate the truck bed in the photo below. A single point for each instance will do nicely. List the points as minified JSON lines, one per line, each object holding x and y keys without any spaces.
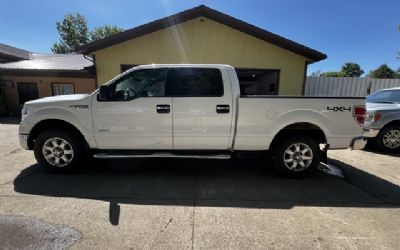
{"x":260,"y":118}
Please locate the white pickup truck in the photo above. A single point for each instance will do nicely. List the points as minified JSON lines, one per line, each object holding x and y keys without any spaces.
{"x":186,"y":111}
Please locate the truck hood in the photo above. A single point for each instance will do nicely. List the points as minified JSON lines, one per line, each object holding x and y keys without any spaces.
{"x":60,"y":100}
{"x":382,"y":106}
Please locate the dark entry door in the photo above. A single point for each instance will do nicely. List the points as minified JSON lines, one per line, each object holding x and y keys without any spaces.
{"x":27,"y":91}
{"x":3,"y":109}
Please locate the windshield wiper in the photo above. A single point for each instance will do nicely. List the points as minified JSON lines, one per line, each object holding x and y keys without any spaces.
{"x":386,"y":102}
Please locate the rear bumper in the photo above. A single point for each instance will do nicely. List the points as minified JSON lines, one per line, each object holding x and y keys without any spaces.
{"x":23,"y":141}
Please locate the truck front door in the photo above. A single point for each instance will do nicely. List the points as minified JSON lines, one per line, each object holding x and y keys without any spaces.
{"x":136,"y":112}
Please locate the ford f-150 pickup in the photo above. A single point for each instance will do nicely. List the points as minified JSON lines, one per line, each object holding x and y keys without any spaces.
{"x":187,"y":111}
{"x":382,"y":122}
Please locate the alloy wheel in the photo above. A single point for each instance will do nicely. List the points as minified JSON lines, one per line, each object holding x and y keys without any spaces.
{"x":298,"y":157}
{"x":392,"y":139}
{"x":57,"y":151}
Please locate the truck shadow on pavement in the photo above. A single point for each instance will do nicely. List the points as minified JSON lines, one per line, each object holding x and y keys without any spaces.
{"x":216,"y":183}
{"x":373,"y":148}
{"x":10,"y":119}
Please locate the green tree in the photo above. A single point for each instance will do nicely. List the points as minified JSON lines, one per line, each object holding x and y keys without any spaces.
{"x":73,"y":30}
{"x":383,"y":71}
{"x":104,"y":31}
{"x":316,"y":73}
{"x":333,"y":74}
{"x":351,"y":69}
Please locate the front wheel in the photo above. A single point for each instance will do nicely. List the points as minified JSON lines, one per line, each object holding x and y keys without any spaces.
{"x":59,"y":151}
{"x":296,"y":156}
{"x":389,"y":139}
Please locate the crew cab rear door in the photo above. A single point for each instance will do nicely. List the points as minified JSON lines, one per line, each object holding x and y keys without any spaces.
{"x":202,"y":109}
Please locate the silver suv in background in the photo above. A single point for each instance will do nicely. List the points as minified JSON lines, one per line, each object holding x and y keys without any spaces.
{"x":382,"y":121}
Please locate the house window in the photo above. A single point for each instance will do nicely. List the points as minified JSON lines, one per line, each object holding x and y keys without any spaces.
{"x":62,"y":88}
{"x":258,"y":81}
{"x":27,"y":91}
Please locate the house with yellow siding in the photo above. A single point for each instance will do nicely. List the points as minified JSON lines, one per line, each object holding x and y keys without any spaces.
{"x":206,"y":36}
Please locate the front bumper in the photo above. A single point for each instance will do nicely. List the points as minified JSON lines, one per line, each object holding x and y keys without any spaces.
{"x":23,"y":141}
{"x":358,"y":143}
{"x":370,"y":133}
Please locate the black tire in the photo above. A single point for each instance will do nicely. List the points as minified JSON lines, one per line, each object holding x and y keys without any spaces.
{"x":278,"y":154}
{"x":381,"y":137}
{"x":76,"y":144}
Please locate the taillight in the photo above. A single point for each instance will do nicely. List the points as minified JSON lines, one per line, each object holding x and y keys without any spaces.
{"x":359,"y":113}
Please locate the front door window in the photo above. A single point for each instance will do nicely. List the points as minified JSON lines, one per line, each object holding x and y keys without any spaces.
{"x":140,"y":83}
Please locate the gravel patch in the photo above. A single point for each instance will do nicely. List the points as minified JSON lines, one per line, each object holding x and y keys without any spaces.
{"x":18,"y":232}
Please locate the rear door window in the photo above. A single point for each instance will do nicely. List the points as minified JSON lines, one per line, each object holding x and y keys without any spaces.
{"x":199,"y":82}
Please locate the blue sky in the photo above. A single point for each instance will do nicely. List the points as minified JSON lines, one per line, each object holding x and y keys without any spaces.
{"x":363,"y":31}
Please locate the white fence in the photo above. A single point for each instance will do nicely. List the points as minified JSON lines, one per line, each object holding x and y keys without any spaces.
{"x":346,"y":86}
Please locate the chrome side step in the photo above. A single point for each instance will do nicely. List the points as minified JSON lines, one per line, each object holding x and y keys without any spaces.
{"x":161,"y":155}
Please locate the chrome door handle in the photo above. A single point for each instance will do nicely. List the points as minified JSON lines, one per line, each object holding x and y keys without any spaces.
{"x":163,"y":108}
{"x":223,"y":109}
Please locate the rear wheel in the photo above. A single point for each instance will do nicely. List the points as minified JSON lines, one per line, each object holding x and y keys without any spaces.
{"x":296,"y":156}
{"x":59,"y":151}
{"x":389,"y":138}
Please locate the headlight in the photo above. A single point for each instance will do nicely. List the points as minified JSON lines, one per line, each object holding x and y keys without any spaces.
{"x":377,"y":116}
{"x":24,"y":113}
{"x":373,"y":117}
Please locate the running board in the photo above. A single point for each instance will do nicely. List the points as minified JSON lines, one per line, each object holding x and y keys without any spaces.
{"x":161,"y":155}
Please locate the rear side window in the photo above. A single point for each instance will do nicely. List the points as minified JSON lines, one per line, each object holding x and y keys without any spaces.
{"x":199,"y":82}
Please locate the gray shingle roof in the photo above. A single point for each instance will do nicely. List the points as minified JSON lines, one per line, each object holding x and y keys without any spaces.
{"x":50,"y":62}
{"x":11,"y":53}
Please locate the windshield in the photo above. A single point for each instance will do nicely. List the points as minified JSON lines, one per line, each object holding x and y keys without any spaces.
{"x":385,"y":96}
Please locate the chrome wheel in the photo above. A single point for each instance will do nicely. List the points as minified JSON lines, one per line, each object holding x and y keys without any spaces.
{"x":392,"y":139}
{"x":298,"y":157}
{"x":57,"y":151}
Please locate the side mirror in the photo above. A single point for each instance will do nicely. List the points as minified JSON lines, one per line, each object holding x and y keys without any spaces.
{"x":103,"y":93}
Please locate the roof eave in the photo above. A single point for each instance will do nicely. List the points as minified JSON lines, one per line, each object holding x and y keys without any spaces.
{"x":84,"y":73}
{"x":311,"y":54}
{"x":12,"y":58}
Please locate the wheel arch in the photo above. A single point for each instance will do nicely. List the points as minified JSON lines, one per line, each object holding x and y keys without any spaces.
{"x":52,"y":123}
{"x":391,"y":123}
{"x":308,"y":128}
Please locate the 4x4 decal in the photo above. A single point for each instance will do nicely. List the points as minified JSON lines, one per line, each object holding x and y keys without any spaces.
{"x":336,"y":109}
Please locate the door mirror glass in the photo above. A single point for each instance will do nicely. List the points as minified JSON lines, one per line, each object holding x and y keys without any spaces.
{"x":103,"y":93}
